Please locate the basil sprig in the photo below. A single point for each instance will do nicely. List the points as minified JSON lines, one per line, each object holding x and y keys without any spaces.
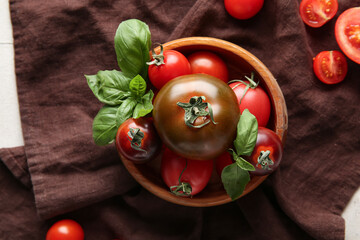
{"x":123,"y":92}
{"x":236,"y":175}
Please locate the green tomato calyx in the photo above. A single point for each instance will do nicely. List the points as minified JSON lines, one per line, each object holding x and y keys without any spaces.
{"x":197,"y":108}
{"x":158,"y":59}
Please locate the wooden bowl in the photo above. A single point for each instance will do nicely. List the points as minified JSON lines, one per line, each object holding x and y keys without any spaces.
{"x":240,"y":62}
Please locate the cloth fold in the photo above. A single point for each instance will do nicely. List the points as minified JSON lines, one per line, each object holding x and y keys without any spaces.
{"x":57,"y":42}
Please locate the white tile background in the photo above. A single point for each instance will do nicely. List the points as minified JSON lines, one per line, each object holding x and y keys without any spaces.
{"x":10,"y":126}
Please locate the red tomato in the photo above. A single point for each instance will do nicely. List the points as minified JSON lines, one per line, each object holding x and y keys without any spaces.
{"x":243,"y":9}
{"x":208,"y":63}
{"x":137,"y":140}
{"x":255,"y":99}
{"x":194,"y":175}
{"x":222,"y":161}
{"x":330,"y":67}
{"x":174,"y":64}
{"x":66,"y":229}
{"x":316,"y":13}
{"x":347,"y":33}
{"x":267,"y":153}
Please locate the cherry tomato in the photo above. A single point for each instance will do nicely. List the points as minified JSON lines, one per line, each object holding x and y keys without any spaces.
{"x":196,"y":116}
{"x":208,"y":63}
{"x":243,"y":9}
{"x":316,"y":13}
{"x":137,"y":140}
{"x":255,"y":99}
{"x":347,"y":33}
{"x":330,"y":67}
{"x":222,"y":161}
{"x":66,"y":229}
{"x":167,"y":65}
{"x":267,"y":153}
{"x":194,"y":175}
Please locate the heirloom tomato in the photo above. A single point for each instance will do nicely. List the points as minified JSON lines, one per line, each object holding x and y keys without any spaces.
{"x":243,"y":9}
{"x":167,"y":65}
{"x":267,"y":153}
{"x":252,"y":97}
{"x":185,"y":177}
{"x":208,"y":63}
{"x":66,"y":229}
{"x":316,"y":13}
{"x":137,"y":140}
{"x":347,"y":33}
{"x":196,"y":116}
{"x":330,"y":67}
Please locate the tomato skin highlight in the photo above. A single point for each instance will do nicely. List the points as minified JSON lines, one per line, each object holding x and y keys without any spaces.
{"x":203,"y":143}
{"x":66,"y":229}
{"x":255,"y":100}
{"x":197,"y":173}
{"x":208,"y":63}
{"x":175,"y":64}
{"x":151,"y":142}
{"x":330,"y":67}
{"x":243,"y":9}
{"x":267,"y":140}
{"x":315,"y":13}
{"x":347,"y":33}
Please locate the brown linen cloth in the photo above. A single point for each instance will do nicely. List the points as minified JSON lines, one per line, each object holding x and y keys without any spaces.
{"x":68,"y":176}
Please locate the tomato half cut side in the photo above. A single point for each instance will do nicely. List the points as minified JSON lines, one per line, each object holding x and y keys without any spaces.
{"x":315,"y":13}
{"x":330,"y":67}
{"x":347,"y":33}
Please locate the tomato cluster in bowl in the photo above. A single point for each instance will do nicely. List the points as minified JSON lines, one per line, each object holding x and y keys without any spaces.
{"x":185,"y":155}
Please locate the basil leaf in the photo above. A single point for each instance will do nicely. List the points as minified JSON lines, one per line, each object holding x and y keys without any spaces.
{"x":247,"y":129}
{"x":132,"y":46}
{"x":234,"y":180}
{"x":104,"y":125}
{"x":242,"y":163}
{"x":125,"y":110}
{"x":110,"y":87}
{"x":144,"y":106}
{"x":137,"y":86}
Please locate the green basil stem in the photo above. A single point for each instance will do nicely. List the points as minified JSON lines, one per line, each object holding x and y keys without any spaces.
{"x":197,"y":108}
{"x":252,"y":84}
{"x":184,"y":188}
{"x":158,"y":58}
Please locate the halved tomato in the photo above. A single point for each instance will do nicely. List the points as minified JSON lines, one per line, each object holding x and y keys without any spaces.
{"x":330,"y":67}
{"x":316,"y":13}
{"x":347,"y":33}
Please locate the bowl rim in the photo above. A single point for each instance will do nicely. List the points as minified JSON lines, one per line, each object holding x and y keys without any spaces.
{"x":280,"y":123}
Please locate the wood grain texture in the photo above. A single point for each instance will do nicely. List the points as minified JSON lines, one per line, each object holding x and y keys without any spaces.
{"x":240,"y":62}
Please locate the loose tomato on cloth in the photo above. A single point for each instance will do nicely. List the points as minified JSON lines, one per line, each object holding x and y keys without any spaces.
{"x":66,"y":229}
{"x":167,"y":65}
{"x":267,"y":153}
{"x":243,"y":9}
{"x":347,"y":33}
{"x":196,"y":116}
{"x":137,"y":140}
{"x":252,"y":97}
{"x":330,"y":67}
{"x":185,"y":177}
{"x":315,"y":13}
{"x":209,"y":63}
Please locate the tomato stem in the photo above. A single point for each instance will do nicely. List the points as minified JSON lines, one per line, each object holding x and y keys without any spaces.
{"x":264,"y":160}
{"x":184,"y":188}
{"x":252,"y":84}
{"x":135,"y":137}
{"x":197,"y":108}
{"x":158,"y":59}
